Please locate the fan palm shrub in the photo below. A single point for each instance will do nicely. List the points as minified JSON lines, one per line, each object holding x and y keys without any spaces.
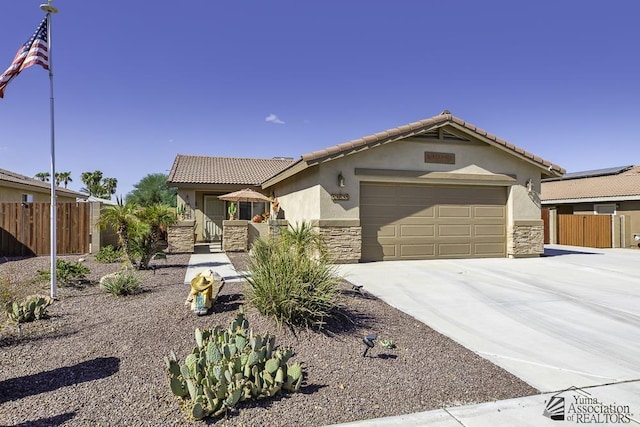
{"x":153,"y":219}
{"x":123,"y":219}
{"x":139,"y":229}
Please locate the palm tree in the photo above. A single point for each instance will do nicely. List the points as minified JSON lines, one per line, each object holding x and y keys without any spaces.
{"x":109,"y":185}
{"x":97,"y":186}
{"x":43,"y":176}
{"x":92,"y":182}
{"x":157,"y":218}
{"x":64,"y":177}
{"x":122,"y":218}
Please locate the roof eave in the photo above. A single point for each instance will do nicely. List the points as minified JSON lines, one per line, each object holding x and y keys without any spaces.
{"x":548,"y":169}
{"x":591,"y":199}
{"x":42,"y":189}
{"x":292,"y":170}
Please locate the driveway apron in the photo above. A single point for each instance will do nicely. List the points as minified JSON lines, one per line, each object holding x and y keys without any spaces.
{"x":568,"y":319}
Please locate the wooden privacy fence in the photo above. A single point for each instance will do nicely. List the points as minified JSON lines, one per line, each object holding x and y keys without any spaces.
{"x":593,"y":231}
{"x":25,"y":228}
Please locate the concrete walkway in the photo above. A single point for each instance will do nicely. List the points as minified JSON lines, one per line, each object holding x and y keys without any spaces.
{"x":216,"y":261}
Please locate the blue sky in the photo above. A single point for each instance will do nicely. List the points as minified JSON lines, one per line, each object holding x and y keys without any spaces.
{"x":138,"y":82}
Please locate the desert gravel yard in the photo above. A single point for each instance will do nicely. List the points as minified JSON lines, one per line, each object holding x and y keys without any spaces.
{"x":98,"y":361}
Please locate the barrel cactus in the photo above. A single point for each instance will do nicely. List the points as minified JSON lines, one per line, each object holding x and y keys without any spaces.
{"x":228,"y":366}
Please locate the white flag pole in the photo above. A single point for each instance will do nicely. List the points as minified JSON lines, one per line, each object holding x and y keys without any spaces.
{"x":49,"y":9}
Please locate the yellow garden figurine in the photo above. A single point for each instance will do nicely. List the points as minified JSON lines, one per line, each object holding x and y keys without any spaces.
{"x":205,"y":287}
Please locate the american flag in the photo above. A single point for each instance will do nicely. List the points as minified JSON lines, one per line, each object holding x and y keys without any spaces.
{"x":33,"y":52}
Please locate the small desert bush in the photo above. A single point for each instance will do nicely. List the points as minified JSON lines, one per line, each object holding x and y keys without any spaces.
{"x":108,"y":255}
{"x":67,"y":273}
{"x":305,"y":240}
{"x":289,"y":284}
{"x":7,"y":291}
{"x":121,"y":283}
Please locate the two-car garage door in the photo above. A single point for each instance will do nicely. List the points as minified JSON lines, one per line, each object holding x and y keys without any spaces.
{"x":407,"y":221}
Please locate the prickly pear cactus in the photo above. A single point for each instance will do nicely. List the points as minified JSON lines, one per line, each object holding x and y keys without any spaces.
{"x":228,"y":366}
{"x":33,"y":307}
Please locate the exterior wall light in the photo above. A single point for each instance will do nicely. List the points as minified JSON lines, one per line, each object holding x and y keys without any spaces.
{"x":340,"y":180}
{"x":529,"y":186}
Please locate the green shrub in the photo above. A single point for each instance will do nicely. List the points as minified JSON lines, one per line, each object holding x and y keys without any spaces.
{"x":121,"y":283}
{"x":109,"y":255}
{"x":228,"y":366}
{"x":34,"y":307}
{"x":7,"y":293}
{"x":292,"y":283}
{"x":67,"y":273}
{"x":305,"y":240}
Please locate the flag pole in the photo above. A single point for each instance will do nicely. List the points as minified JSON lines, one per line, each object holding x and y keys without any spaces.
{"x":50,"y":9}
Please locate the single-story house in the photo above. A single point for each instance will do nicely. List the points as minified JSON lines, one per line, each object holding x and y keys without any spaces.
{"x":25,"y":223}
{"x":612,"y":191}
{"x":20,"y":188}
{"x":436,"y":188}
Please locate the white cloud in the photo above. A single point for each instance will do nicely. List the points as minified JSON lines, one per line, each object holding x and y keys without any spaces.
{"x":272,"y":118}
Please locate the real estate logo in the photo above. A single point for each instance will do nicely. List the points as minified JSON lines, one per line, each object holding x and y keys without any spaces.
{"x":578,"y":406}
{"x":555,"y":408}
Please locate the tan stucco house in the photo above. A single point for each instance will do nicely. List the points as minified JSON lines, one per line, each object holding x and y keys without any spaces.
{"x":612,"y":191}
{"x":15,"y":187}
{"x":436,"y":188}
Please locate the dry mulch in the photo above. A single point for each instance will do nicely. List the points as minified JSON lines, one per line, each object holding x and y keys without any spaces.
{"x":98,"y":360}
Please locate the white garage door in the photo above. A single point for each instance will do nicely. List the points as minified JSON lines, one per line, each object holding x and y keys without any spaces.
{"x":407,"y":221}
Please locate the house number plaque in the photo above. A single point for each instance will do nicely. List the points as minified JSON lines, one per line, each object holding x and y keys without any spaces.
{"x":340,"y":197}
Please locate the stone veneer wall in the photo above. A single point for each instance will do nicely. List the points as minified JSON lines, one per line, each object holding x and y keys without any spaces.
{"x":276,"y":226}
{"x":180,"y":237}
{"x":526,"y":239}
{"x":343,"y":237}
{"x":235,"y":235}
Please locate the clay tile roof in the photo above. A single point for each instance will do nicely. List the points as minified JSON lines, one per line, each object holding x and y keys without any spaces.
{"x":618,"y":182}
{"x":404,"y":131}
{"x":225,"y":170}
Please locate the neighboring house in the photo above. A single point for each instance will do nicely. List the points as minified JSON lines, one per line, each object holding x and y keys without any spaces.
{"x":436,"y":188}
{"x":612,"y":191}
{"x":25,"y":217}
{"x":19,"y":188}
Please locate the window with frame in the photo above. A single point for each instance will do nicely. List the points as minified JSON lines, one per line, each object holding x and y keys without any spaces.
{"x":27,"y":198}
{"x":604,"y":209}
{"x":247,"y":210}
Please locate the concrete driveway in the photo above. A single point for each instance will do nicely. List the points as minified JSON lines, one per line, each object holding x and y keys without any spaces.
{"x":571,"y":318}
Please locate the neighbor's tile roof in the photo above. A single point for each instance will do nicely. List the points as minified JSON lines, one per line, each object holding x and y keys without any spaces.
{"x":16,"y":178}
{"x":416,"y":128}
{"x":224,"y":170}
{"x":622,"y":184}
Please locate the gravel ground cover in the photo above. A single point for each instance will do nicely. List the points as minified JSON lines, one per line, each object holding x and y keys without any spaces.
{"x":98,"y":360}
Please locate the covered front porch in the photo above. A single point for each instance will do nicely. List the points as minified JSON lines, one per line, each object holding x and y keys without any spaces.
{"x":206,"y":221}
{"x":209,"y":212}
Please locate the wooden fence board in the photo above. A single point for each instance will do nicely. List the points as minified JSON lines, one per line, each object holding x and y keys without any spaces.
{"x":25,"y":228}
{"x":545,"y":221}
{"x":593,"y":231}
